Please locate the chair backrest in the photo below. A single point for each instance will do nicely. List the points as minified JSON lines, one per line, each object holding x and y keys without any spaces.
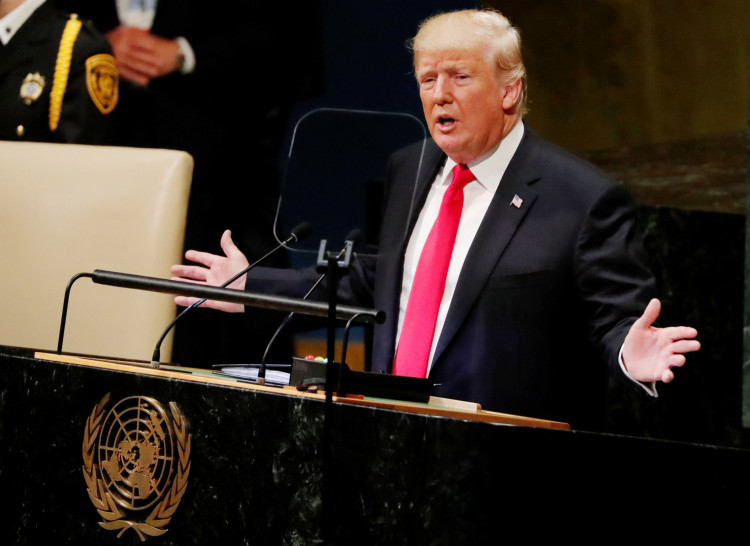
{"x":67,"y":209}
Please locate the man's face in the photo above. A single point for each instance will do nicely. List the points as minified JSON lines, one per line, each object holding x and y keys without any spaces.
{"x":463,"y":99}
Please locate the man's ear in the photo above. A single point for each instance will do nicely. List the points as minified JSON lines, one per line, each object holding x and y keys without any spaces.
{"x":511,"y":94}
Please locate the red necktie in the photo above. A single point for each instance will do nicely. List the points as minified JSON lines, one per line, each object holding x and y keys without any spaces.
{"x":429,"y":281}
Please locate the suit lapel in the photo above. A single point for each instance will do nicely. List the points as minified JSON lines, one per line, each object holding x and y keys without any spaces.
{"x":495,"y":232}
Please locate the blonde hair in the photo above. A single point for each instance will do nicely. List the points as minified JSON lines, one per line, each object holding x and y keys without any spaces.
{"x":469,"y":29}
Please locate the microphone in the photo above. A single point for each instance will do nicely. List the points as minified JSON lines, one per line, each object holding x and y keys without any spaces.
{"x":298,"y":233}
{"x":264,"y":301}
{"x":353,"y":237}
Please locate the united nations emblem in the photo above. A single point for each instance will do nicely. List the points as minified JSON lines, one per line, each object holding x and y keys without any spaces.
{"x":136,"y":462}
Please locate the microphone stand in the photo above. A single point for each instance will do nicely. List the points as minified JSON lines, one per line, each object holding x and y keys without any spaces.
{"x":335,"y":264}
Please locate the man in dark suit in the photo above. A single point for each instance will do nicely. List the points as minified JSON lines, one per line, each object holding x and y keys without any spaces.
{"x":543,"y":282}
{"x":58,"y":79}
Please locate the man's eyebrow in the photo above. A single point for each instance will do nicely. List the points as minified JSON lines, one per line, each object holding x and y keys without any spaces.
{"x":446,"y":66}
{"x":457,"y":66}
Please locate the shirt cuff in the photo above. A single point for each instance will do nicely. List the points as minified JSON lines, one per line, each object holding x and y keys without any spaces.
{"x":188,"y":56}
{"x":650,"y":388}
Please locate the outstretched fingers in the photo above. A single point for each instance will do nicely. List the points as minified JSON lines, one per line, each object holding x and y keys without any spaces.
{"x":185,"y":301}
{"x":188,"y":273}
{"x":204,"y":258}
{"x":649,"y":352}
{"x":649,"y":316}
{"x":681,"y":346}
{"x":678,"y":333}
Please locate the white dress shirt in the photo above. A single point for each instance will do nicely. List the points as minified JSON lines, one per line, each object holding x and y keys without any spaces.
{"x":136,"y":13}
{"x":10,"y":24}
{"x":478,"y":194}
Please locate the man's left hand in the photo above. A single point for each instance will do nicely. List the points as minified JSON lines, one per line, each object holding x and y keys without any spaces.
{"x":649,"y":353}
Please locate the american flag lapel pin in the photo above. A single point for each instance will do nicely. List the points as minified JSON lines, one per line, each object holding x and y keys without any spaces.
{"x":517,"y":201}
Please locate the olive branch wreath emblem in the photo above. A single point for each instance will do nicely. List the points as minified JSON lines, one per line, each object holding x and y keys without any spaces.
{"x":112,"y":517}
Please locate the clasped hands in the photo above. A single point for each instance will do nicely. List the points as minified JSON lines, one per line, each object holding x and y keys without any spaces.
{"x":143,"y":56}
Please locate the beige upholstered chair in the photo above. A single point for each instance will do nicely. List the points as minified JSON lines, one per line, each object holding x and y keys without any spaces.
{"x":67,"y":209}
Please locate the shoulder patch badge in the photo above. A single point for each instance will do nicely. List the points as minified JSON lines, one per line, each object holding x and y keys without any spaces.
{"x":103,"y":81}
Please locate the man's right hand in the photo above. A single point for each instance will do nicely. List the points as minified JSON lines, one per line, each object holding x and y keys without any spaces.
{"x":213,"y":270}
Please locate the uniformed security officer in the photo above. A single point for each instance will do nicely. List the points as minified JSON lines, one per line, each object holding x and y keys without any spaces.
{"x":58,"y":79}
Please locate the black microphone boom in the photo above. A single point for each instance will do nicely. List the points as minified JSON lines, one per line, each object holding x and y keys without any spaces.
{"x":299,"y":232}
{"x":153,"y":284}
{"x":253,"y":299}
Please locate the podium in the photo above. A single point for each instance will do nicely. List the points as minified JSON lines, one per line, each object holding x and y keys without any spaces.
{"x":249,"y":467}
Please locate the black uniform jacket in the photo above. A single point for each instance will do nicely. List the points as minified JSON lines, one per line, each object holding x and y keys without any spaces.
{"x":31,"y":55}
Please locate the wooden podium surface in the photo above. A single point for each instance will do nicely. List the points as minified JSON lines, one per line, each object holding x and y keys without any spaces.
{"x":250,"y":468}
{"x":441,"y":407}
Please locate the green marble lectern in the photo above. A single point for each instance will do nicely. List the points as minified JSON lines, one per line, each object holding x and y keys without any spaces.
{"x":100,"y":453}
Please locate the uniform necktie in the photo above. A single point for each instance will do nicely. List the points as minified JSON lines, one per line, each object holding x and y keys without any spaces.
{"x":428,"y":286}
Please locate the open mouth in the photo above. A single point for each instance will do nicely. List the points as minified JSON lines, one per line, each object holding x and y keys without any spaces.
{"x":446,"y":121}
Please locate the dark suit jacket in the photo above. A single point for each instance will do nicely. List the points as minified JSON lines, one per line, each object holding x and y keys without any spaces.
{"x":546,"y":295}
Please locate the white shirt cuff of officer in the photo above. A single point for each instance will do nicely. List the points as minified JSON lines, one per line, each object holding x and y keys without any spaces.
{"x":188,"y":56}
{"x":650,"y":388}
